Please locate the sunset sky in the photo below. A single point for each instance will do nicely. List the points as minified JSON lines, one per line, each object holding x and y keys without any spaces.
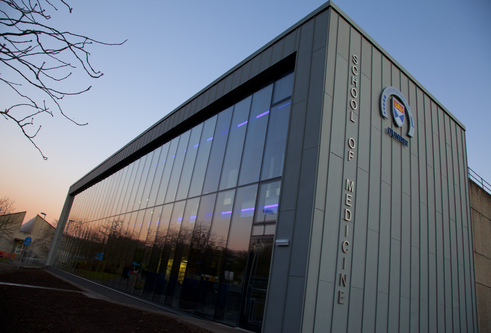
{"x":176,"y":48}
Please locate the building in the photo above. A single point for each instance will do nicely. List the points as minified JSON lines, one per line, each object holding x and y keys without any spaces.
{"x":480,"y":200}
{"x":314,"y":187}
{"x":10,"y":224}
{"x":29,"y":240}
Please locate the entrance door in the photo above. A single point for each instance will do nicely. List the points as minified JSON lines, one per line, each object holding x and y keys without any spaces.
{"x":256,"y":283}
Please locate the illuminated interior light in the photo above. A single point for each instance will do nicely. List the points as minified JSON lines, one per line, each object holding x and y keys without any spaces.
{"x":224,"y":132}
{"x":225,"y":213}
{"x":209,"y":139}
{"x":284,"y":105}
{"x":247,"y":209}
{"x":271,"y":206}
{"x":262,"y":114}
{"x":196,"y":145}
{"x":245,"y":122}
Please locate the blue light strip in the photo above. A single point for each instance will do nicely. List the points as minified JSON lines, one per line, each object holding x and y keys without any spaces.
{"x":245,"y":122}
{"x":262,"y":114}
{"x":225,"y":213}
{"x":196,"y":145}
{"x":224,"y":132}
{"x":209,"y":139}
{"x":284,"y":105}
{"x":271,"y":206}
{"x":247,"y":209}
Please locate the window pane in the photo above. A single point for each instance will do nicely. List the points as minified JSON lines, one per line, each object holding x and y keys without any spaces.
{"x":274,"y":153}
{"x":283,"y":88}
{"x":134,"y":202}
{"x":235,"y":144}
{"x":177,"y":169}
{"x":169,"y":162}
{"x":149,"y":276}
{"x":151,"y":177}
{"x":217,"y":151}
{"x":187,"y":169}
{"x":235,"y":261}
{"x":214,"y":256}
{"x":196,"y":257}
{"x":202,"y":159}
{"x":143,"y":181}
{"x":256,"y":133}
{"x":181,"y":253}
{"x":158,"y":174}
{"x":171,"y":243}
{"x":268,"y":203}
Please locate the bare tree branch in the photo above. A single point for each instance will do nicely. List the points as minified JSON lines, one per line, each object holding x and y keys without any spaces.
{"x":41,"y":57}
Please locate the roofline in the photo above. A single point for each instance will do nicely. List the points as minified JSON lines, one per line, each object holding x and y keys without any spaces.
{"x":325,"y":6}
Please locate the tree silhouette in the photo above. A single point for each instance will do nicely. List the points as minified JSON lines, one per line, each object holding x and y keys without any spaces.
{"x":39,"y":57}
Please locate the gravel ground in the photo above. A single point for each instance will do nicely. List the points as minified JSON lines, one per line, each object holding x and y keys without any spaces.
{"x":68,"y":309}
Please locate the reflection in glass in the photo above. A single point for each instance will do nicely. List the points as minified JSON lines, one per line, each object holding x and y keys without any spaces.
{"x":217,"y":151}
{"x":236,"y":256}
{"x":171,"y":240}
{"x":256,"y":133}
{"x":283,"y":88}
{"x":187,"y":169}
{"x":233,"y":155}
{"x":177,"y":168}
{"x":169,"y":162}
{"x":204,"y":253}
{"x":180,"y":258}
{"x":200,"y":241}
{"x":210,"y":283}
{"x":202,"y":159}
{"x":158,"y":175}
{"x":274,"y":153}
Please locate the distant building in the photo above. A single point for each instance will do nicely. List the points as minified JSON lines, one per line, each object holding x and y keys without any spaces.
{"x":10,"y":224}
{"x":37,"y":231}
{"x":315,"y":187}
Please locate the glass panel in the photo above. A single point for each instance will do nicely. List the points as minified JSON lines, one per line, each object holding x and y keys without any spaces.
{"x":236,"y":256}
{"x":158,"y":174}
{"x":256,"y":133}
{"x":121,"y":208}
{"x":217,"y":151}
{"x":196,"y":257}
{"x":111,"y":253}
{"x":267,"y":211}
{"x":180,"y":259}
{"x":187,"y":169}
{"x":202,"y":159}
{"x":147,"y":274}
{"x":235,"y":144}
{"x":257,"y":283}
{"x":258,"y":230}
{"x":152,"y":167}
{"x":177,"y":169}
{"x":118,"y":190}
{"x":155,"y":278}
{"x":168,"y":254}
{"x":137,"y":277}
{"x":210,"y":285}
{"x":169,"y":162}
{"x":130,"y":268}
{"x":129,"y":190}
{"x":274,"y":153}
{"x":283,"y":88}
{"x":137,"y":190}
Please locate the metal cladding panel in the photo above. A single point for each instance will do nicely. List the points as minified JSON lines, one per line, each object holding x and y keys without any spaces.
{"x":393,"y":247}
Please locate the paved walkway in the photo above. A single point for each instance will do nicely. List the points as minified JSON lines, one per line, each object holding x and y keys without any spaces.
{"x":96,"y":290}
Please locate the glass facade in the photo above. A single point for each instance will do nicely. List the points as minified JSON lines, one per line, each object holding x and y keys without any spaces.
{"x":191,"y":224}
